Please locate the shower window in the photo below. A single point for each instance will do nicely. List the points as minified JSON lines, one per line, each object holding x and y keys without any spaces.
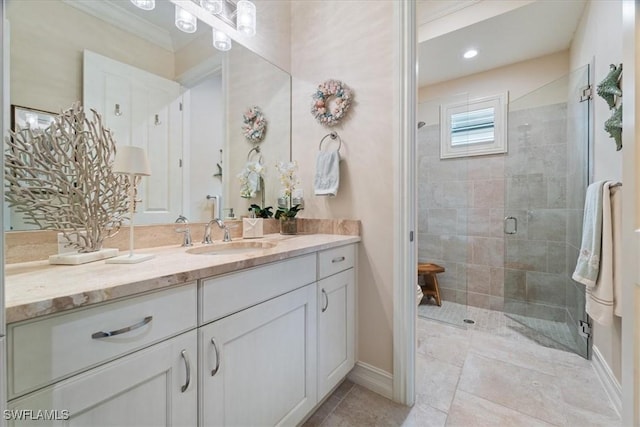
{"x":473,"y":128}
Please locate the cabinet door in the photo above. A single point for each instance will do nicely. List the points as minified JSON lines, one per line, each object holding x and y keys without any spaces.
{"x":146,"y":388}
{"x":336,"y":329}
{"x":258,"y":366}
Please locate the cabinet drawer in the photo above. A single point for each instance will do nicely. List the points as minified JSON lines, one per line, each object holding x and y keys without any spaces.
{"x":230,"y":293}
{"x":42,"y":351}
{"x":335,"y":260}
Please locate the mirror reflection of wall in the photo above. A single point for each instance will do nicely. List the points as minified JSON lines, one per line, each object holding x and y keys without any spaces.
{"x":48,"y":39}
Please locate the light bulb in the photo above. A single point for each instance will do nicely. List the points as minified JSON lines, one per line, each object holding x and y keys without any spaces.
{"x":221,"y":41}
{"x":246,"y":20}
{"x":212,"y":6}
{"x":185,"y":21}
{"x":471,"y":53}
{"x":145,"y":4}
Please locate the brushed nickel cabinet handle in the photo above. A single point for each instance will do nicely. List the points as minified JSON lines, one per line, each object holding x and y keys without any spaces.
{"x":337,"y":259}
{"x":102,"y":334}
{"x":187,"y":365}
{"x":326,"y":298}
{"x":215,"y":348}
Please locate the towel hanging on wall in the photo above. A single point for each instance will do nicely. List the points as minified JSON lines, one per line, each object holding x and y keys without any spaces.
{"x":327,"y":178}
{"x":603,"y":299}
{"x":588,"y":265}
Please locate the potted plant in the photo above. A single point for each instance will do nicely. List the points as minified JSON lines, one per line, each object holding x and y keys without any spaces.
{"x":287,"y":217}
{"x":259,"y":212}
{"x":287,"y":212}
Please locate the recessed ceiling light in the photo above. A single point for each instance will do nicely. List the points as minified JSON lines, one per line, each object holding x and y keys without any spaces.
{"x":470,"y":53}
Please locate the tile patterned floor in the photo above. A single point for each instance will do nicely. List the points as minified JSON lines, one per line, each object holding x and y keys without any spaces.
{"x":477,"y":377}
{"x":544,"y":332}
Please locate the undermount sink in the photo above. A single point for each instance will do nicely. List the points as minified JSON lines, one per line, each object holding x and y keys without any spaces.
{"x":229,"y":248}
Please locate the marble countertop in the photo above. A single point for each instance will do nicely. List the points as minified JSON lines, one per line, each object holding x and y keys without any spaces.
{"x":37,"y":288}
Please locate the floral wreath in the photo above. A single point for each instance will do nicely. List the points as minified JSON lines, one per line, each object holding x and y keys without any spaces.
{"x":254,"y":125}
{"x":320,"y":107}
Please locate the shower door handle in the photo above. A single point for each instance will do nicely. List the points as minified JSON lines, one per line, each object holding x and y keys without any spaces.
{"x":506,"y":225}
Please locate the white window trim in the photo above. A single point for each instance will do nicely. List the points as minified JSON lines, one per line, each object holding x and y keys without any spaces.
{"x":497,"y":146}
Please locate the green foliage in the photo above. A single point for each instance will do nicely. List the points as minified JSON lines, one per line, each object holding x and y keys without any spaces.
{"x":288,"y":213}
{"x":260,"y":212}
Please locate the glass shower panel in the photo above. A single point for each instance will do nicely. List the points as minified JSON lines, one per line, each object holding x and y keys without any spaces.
{"x":444,"y":198}
{"x":546,"y":175}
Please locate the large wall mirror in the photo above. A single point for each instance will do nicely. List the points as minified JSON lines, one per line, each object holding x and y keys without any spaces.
{"x":169,"y":92}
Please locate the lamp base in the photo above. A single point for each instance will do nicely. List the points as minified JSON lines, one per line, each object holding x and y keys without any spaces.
{"x":130,"y":259}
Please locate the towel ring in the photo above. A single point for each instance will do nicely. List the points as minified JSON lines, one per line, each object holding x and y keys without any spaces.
{"x":333,"y":136}
{"x":257,"y":150}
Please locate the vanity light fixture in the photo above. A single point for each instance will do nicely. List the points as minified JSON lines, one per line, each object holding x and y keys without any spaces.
{"x":246,"y":18}
{"x":144,"y":4}
{"x":131,"y":161}
{"x":185,"y":21}
{"x":471,"y":53}
{"x":221,"y":41}
{"x":214,"y":7}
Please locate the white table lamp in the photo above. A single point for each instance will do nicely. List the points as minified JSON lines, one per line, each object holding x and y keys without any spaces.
{"x":131,"y":161}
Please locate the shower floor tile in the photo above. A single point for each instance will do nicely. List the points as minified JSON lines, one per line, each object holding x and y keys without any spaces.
{"x":543,"y":332}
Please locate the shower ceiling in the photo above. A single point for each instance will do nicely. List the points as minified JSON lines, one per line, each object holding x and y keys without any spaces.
{"x":503,"y":34}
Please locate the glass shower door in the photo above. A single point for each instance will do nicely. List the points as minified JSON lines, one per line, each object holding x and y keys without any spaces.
{"x":546,"y":176}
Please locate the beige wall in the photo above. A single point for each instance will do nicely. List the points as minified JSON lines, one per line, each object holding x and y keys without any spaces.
{"x":255,"y":81}
{"x":360,"y":53}
{"x":46,"y":56}
{"x":519,"y":79}
{"x":273,"y":32}
{"x":599,"y":36}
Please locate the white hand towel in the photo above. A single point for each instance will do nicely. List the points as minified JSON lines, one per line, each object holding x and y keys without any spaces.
{"x":327,"y":177}
{"x":588,"y":265}
{"x":600,"y":298}
{"x":250,"y":179}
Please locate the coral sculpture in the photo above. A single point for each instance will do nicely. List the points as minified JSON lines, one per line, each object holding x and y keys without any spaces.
{"x":61,"y":179}
{"x":613,"y":125}
{"x":609,"y":90}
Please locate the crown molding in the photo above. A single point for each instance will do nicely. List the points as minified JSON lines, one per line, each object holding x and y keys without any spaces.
{"x":121,"y":18}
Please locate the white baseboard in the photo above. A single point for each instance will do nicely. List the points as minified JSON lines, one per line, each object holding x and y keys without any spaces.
{"x":611,"y":384}
{"x":372,"y":378}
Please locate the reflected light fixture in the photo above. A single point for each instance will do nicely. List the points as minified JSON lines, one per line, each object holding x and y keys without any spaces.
{"x":185,"y":21}
{"x":471,"y":53}
{"x":246,"y":17}
{"x":131,"y":161}
{"x":145,"y":4}
{"x":221,"y":41}
{"x":214,"y":7}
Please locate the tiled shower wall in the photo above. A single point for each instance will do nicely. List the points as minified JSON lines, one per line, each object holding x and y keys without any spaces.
{"x":536,"y":174}
{"x":460,"y":212}
{"x":462,"y":204}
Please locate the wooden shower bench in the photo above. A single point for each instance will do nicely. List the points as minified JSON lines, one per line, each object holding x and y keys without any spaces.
{"x":429,"y":272}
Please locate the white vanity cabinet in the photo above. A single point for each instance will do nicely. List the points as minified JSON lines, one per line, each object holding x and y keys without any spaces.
{"x":156,"y":386}
{"x":258,"y":346}
{"x":336,"y":316}
{"x":258,"y":365}
{"x":128,"y":363}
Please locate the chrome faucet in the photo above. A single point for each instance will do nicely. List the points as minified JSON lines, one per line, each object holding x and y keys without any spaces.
{"x":186,"y":241}
{"x":207,"y":231}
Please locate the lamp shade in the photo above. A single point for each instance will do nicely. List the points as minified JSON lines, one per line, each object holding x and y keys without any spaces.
{"x":131,"y":160}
